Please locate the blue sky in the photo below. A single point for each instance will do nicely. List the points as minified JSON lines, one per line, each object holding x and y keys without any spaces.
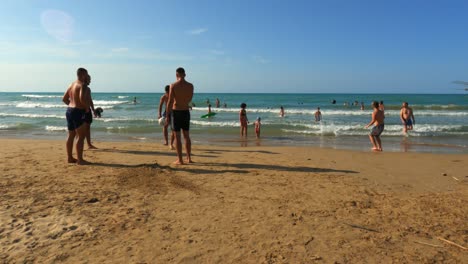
{"x":236,"y":46}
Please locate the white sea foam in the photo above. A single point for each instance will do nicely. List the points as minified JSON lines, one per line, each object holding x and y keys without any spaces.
{"x":122,"y":96}
{"x":215,"y":123}
{"x":55,"y":128}
{"x":105,"y":102}
{"x":41,"y":96}
{"x":32,"y":115}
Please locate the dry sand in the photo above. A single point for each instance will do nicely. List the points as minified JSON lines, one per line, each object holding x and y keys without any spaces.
{"x":234,"y":205}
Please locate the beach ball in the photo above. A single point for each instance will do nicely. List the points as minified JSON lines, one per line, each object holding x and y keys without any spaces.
{"x":162,"y":121}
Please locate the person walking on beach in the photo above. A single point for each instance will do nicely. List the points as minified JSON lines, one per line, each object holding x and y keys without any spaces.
{"x":167,"y":116}
{"x":281,"y":111}
{"x":75,"y":98}
{"x":243,"y":120}
{"x":89,"y":115}
{"x":180,"y":95}
{"x":378,"y":122}
{"x":318,"y":115}
{"x":407,"y":117}
{"x":258,"y":125}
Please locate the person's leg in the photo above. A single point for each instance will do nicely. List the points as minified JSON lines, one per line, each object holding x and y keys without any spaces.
{"x":88,"y":136}
{"x":172,"y":139}
{"x":81,"y":131}
{"x":188,"y":146}
{"x":70,"y":139}
{"x":165,"y":133}
{"x":372,"y":140}
{"x":178,"y":148}
{"x":379,"y":143}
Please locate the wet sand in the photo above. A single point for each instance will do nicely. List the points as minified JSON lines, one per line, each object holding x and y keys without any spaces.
{"x":234,"y":205}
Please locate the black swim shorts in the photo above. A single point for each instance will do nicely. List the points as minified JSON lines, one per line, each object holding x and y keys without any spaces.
{"x":180,"y":119}
{"x":88,"y":117}
{"x":75,"y":118}
{"x":377,"y":130}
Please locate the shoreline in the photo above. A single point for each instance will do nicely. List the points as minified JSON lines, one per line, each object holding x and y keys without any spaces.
{"x":234,"y":204}
{"x":354,"y":143}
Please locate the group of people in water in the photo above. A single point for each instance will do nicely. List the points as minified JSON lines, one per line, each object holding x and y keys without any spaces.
{"x":177,"y":100}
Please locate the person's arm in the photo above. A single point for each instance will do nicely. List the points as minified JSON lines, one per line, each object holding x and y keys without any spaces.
{"x":161,"y":102}
{"x":66,"y":97}
{"x":169,"y":102}
{"x":401,"y":116}
{"x":91,"y":103}
{"x":372,"y":121}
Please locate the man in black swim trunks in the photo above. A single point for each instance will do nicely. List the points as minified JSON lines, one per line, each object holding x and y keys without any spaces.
{"x":76,"y":99}
{"x":378,"y":122}
{"x":180,"y":96}
{"x":89,"y":115}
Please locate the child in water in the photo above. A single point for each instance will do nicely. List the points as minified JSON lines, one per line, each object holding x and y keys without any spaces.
{"x":243,"y":120}
{"x":258,"y":124}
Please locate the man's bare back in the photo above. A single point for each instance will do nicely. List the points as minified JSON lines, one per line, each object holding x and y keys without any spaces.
{"x":77,"y":96}
{"x":378,"y":116}
{"x":181,"y":93}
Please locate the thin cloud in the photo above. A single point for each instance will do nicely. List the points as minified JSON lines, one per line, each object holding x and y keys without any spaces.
{"x":217,"y":52}
{"x":118,"y":50}
{"x":260,"y":59}
{"x":197,"y":31}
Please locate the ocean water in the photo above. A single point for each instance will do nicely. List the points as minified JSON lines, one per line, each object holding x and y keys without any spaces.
{"x":441,"y":120}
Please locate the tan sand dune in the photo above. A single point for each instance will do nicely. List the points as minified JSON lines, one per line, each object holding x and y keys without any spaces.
{"x":234,"y":205}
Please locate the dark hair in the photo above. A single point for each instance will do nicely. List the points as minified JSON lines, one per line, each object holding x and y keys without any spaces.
{"x":81,"y":71}
{"x":180,"y":70}
{"x":375,"y":104}
{"x":167,"y":88}
{"x":243,"y":105}
{"x":381,"y":102}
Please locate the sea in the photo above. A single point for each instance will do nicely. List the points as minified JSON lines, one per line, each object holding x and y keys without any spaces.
{"x":441,"y":119}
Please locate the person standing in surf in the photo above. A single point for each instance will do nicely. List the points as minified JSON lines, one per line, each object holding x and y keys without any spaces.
{"x":243,"y":120}
{"x":318,"y":115}
{"x":378,"y":122}
{"x":407,"y":117}
{"x":180,"y":96}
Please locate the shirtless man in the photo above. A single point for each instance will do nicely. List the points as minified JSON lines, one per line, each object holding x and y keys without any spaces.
{"x":166,"y":115}
{"x":407,"y":117}
{"x":76,"y":99}
{"x":89,"y":115}
{"x":281,"y":111}
{"x":378,"y":122}
{"x":180,"y":95}
{"x":318,"y":115}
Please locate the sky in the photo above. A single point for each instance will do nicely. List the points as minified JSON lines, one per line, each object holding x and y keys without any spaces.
{"x":257,"y":46}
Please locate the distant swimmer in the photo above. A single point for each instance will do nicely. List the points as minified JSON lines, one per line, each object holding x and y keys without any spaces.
{"x":217,"y":103}
{"x":89,"y":114}
{"x":281,"y":111}
{"x":381,"y":106}
{"x":318,"y":115}
{"x":407,"y":117}
{"x":134,"y":100}
{"x":258,"y":125}
{"x":243,"y":120}
{"x":333,"y":101}
{"x":180,"y":95}
{"x":362,"y":105}
{"x":225,"y":105}
{"x":167,"y":116}
{"x":378,"y":122}
{"x":75,"y":97}
{"x":98,"y":112}
{"x":209,"y":109}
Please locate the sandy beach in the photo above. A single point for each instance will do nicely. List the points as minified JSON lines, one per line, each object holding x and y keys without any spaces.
{"x":234,"y":205}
